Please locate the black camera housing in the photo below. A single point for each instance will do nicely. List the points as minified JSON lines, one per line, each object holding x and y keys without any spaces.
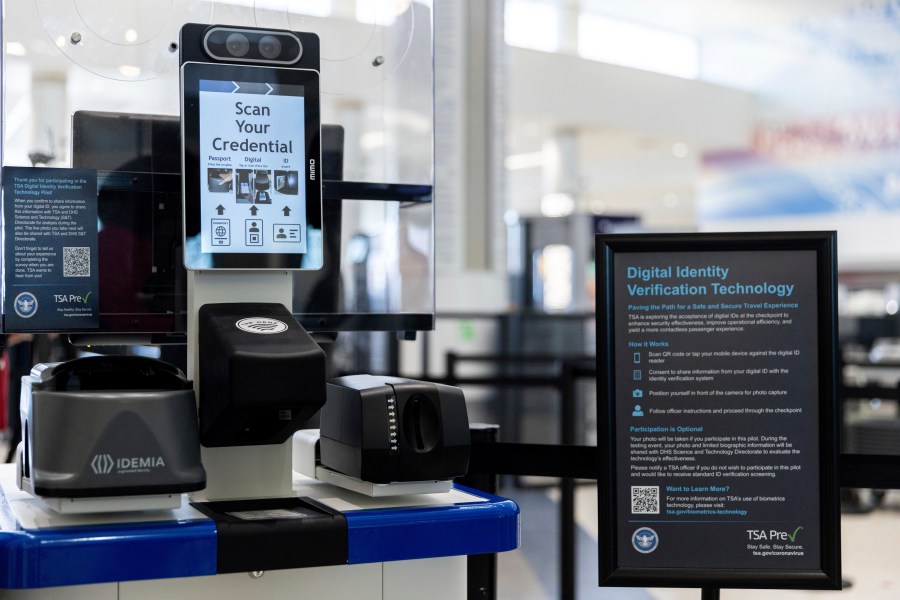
{"x":248,"y":46}
{"x":257,"y":386}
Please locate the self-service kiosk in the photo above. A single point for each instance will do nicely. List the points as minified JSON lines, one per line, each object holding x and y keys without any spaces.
{"x":138,"y":479}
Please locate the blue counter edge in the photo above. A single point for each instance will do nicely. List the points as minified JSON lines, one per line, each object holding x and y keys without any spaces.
{"x":101,"y":554}
{"x":110,"y":553}
{"x":429,"y":532}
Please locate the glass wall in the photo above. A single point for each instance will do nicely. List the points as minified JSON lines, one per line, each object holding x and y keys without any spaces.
{"x":90,"y":56}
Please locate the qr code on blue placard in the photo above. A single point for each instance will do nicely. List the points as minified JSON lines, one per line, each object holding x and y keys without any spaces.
{"x":76,"y":262}
{"x":645,"y":499}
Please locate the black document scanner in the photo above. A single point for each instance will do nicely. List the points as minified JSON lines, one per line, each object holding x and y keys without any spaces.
{"x":109,"y":433}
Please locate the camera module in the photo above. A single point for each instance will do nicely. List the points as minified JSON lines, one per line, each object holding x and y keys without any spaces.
{"x":249,"y":45}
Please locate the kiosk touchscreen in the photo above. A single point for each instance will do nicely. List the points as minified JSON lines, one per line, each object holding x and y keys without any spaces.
{"x":252,"y":190}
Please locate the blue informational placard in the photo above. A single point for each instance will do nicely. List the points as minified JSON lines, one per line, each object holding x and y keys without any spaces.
{"x":50,"y":280}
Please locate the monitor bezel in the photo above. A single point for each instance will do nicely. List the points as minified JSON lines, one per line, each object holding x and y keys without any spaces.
{"x":193,"y":180}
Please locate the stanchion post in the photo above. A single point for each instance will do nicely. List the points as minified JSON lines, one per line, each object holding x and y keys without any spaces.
{"x":567,"y":486}
{"x":709,"y":593}
{"x":481,"y":579}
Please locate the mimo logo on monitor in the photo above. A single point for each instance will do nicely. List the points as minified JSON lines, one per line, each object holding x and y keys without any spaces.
{"x":262,"y":325}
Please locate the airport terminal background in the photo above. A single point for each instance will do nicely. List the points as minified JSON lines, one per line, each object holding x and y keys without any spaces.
{"x":620,"y":115}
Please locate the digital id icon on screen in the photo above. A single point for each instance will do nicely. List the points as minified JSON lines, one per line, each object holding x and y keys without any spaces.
{"x":254,"y":232}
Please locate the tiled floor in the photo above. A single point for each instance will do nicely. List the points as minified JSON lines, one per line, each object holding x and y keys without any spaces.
{"x":871,"y":560}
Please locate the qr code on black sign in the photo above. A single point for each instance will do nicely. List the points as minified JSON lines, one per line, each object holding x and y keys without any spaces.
{"x":76,"y":262}
{"x":645,"y":499}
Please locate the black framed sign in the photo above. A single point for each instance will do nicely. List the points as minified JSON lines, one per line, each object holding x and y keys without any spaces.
{"x":716,"y":388}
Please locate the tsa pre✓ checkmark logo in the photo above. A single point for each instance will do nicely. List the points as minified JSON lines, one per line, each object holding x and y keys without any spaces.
{"x":793,"y":536}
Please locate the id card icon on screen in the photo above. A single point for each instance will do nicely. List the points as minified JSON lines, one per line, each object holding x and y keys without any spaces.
{"x":287,"y":233}
{"x":221,"y":232}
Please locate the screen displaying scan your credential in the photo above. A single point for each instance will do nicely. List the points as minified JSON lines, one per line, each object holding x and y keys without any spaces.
{"x":252,"y":158}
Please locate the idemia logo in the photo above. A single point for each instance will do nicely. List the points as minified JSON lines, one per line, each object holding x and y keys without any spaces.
{"x":103,"y":464}
{"x":261,"y":325}
{"x":645,"y":540}
{"x":25,"y":305}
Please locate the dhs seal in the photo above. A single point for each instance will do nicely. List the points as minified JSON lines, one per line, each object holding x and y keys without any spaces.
{"x":645,"y":540}
{"x":262,"y":325}
{"x":25,"y":305}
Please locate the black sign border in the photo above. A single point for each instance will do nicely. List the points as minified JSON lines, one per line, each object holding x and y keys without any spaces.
{"x":824,"y":243}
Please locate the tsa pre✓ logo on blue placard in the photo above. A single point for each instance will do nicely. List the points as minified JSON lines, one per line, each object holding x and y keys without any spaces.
{"x":25,"y":305}
{"x":645,"y":540}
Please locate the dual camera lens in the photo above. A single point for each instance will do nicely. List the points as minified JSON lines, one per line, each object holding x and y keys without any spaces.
{"x":238,"y":46}
{"x":253,"y":46}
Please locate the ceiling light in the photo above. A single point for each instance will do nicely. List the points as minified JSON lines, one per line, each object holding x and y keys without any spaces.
{"x":528,"y":160}
{"x":557,"y":204}
{"x":15,"y":49}
{"x":130,"y":71}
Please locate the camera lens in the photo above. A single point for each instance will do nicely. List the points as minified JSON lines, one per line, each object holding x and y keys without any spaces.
{"x":269,"y":47}
{"x":233,"y":44}
{"x":237,"y":44}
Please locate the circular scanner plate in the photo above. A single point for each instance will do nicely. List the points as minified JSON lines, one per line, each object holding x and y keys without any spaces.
{"x":357,"y":52}
{"x":132,"y":40}
{"x":126,"y":40}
